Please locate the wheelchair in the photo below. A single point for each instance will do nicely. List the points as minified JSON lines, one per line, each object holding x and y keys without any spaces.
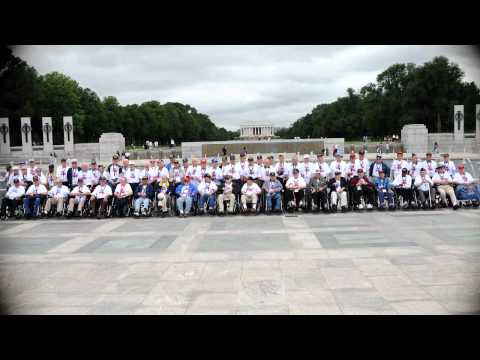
{"x":249,"y":208}
{"x":148,"y":212}
{"x":86,"y":209}
{"x":208,"y":210}
{"x":466,"y":203}
{"x":53,"y":209}
{"x":38,"y":213}
{"x":302,"y":203}
{"x":334,"y":207}
{"x":385,"y":204}
{"x":108,"y":210}
{"x":272,"y":210}
{"x":17,"y":213}
{"x":115,"y":207}
{"x":169,"y":205}
{"x":310,"y":203}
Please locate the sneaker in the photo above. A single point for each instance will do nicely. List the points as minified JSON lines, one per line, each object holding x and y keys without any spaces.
{"x":181,"y":212}
{"x":369,"y":206}
{"x":360,"y":207}
{"x":300,"y":204}
{"x":455,"y":207}
{"x":344,"y":209}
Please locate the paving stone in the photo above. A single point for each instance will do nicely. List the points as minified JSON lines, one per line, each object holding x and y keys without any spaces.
{"x":419,"y":308}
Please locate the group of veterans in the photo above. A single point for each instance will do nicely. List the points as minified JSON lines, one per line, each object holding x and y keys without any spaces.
{"x":227,"y":186}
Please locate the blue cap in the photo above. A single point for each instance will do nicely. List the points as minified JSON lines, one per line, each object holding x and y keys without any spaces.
{"x":214,"y":160}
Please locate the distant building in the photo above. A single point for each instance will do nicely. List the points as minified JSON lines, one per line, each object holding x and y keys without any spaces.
{"x":257,"y":131}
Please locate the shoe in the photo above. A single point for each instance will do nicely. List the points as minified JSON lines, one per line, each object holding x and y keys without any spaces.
{"x":369,"y":206}
{"x":456,"y":206}
{"x":180,"y":213}
{"x":344,"y":209}
{"x":334,"y":208}
{"x":300,"y":204}
{"x":360,"y":207}
{"x":136,"y":214}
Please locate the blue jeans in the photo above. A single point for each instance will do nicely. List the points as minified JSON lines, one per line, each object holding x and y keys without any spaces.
{"x":277,"y":197}
{"x":464,"y":193}
{"x":382,"y":196}
{"x":209,"y":199}
{"x":27,"y":205}
{"x":184,"y":200}
{"x":139,"y":201}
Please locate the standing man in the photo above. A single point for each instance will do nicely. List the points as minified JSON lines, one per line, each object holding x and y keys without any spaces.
{"x":362,"y":162}
{"x":449,"y":165}
{"x":324,"y":168}
{"x":72,"y":174}
{"x":429,"y":165}
{"x":414,"y":166}
{"x":398,"y":164}
{"x":62,"y":171}
{"x":114,"y":170}
{"x":378,"y":166}
{"x":338,"y":165}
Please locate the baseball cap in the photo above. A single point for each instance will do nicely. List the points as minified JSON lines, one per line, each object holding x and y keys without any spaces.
{"x":103,"y":178}
{"x":250,"y":178}
{"x":203,"y":161}
{"x":185,"y":160}
{"x":115,"y":157}
{"x":361,"y":152}
{"x":214,"y":160}
{"x":16,"y":180}
{"x":145,"y":178}
{"x":338,"y":172}
{"x":232,"y":157}
{"x":306,"y":156}
{"x":272,"y":174}
{"x":250,"y":158}
{"x":207,"y":175}
{"x":359,"y":170}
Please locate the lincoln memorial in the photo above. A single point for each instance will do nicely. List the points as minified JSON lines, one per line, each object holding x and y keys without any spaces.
{"x":257,"y":131}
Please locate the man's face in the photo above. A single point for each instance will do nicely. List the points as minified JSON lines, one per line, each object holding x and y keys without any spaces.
{"x":294,"y":161}
{"x":446,"y":158}
{"x":306,"y":160}
{"x":64,"y":164}
{"x":259,"y":162}
{"x":317,"y":175}
{"x":123,"y":181}
{"x":404,"y":173}
{"x":58,"y":183}
{"x":429,"y":157}
{"x":422,"y":173}
{"x":272,"y":178}
{"x":100,"y":168}
{"x":74,"y":164}
{"x":35,"y":180}
{"x":337,"y":176}
{"x":160,"y":164}
{"x":281,"y":158}
{"x":360,"y":174}
{"x":207,"y":179}
{"x":84,"y":167}
{"x":382,"y":175}
{"x":320,"y":159}
{"x":461,"y":169}
{"x":249,"y":181}
{"x":250,"y":162}
{"x":103,"y":182}
{"x":378,"y":161}
{"x":266,"y":162}
{"x":144,"y":181}
{"x":399,"y":156}
{"x":361,"y":156}
{"x":114,"y":161}
{"x":194,"y":162}
{"x":414,"y":158}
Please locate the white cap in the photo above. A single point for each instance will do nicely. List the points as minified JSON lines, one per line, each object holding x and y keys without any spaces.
{"x":306,"y":156}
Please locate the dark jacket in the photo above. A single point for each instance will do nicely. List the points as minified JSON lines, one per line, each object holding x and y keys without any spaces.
{"x":149,"y":191}
{"x":316,"y":185}
{"x":355,"y":179}
{"x":235,"y":188}
{"x":343,"y":184}
{"x":70,"y":176}
{"x":385,"y":169}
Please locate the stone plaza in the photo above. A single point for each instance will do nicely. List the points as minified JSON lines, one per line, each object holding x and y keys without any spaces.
{"x":403,"y":262}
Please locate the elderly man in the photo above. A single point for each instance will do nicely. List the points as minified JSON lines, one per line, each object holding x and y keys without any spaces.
{"x":414,"y":166}
{"x":12,"y":198}
{"x":79,"y":197}
{"x":122,"y":194}
{"x":362,"y":162}
{"x":424,"y":185}
{"x":176,"y":173}
{"x":162,"y":170}
{"x":207,"y":190}
{"x":317,"y":187}
{"x":144,"y":194}
{"x":162,"y":190}
{"x":132,"y":175}
{"x":72,"y":174}
{"x":325,"y":171}
{"x":351,"y":167}
{"x":449,"y":165}
{"x":87,"y":175}
{"x":295,"y":187}
{"x":228,"y":192}
{"x":273,"y":191}
{"x":338,"y":191}
{"x":57,"y":195}
{"x":114,"y":170}
{"x":231,"y":169}
{"x":378,"y":166}
{"x":338,"y":165}
{"x":282,"y":170}
{"x":398,"y":164}
{"x":466,"y":189}
{"x":100,"y":198}
{"x":444,"y":182}
{"x":403,"y":187}
{"x":33,"y":198}
{"x":362,"y":186}
{"x":383,"y":186}
{"x":307,"y":168}
{"x":186,"y":193}
{"x":62,"y":171}
{"x":429,"y":165}
{"x":250,"y":192}
{"x":216,"y":172}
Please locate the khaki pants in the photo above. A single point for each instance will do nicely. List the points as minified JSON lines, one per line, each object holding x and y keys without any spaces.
{"x":225,"y":197}
{"x":54,"y":201}
{"x":249,"y":199}
{"x":162,"y":201}
{"x":343,"y":198}
{"x":80,"y":200}
{"x":445,"y":190}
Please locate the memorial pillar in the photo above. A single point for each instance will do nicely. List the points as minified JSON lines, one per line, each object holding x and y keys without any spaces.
{"x":26,"y":128}
{"x":4,"y":136}
{"x":68,"y":134}
{"x":477,"y":123}
{"x":47,"y":130}
{"x":458,"y":120}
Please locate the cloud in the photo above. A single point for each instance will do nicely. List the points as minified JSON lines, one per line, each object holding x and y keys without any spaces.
{"x":235,"y":84}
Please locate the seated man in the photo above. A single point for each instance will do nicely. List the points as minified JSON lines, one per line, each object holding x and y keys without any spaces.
{"x":123,"y":192}
{"x":57,"y":195}
{"x":33,"y":197}
{"x":227,"y":194}
{"x":466,"y":188}
{"x":273,"y":190}
{"x":12,"y":198}
{"x":362,"y":186}
{"x":250,"y":192}
{"x":403,"y":187}
{"x":424,"y":185}
{"x":79,"y":196}
{"x":295,"y":189}
{"x":384,"y":190}
{"x":186,"y":192}
{"x":444,"y":186}
{"x":162,"y":190}
{"x":318,"y":189}
{"x":143,"y":194}
{"x":100,"y":197}
{"x":207,"y":190}
{"x":338,"y":189}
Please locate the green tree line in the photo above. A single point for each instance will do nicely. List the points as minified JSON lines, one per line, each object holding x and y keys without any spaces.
{"x":403,"y":94}
{"x":23,"y":92}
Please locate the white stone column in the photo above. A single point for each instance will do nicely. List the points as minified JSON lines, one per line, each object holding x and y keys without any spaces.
{"x":477,"y":123}
{"x":4,"y":136}
{"x":458,"y":122}
{"x":26,"y":129}
{"x":68,"y":134}
{"x":47,"y":131}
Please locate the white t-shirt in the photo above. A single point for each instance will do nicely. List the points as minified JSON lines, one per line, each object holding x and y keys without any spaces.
{"x":296,"y":183}
{"x":87,"y":176}
{"x":132,"y":176}
{"x":465,"y":179}
{"x":37,"y":189}
{"x":62,"y":173}
{"x":59,"y":191}
{"x":362,"y":164}
{"x":441,"y":177}
{"x":404,"y":182}
{"x":307,"y":170}
{"x":423,"y":184}
{"x":415,"y":169}
{"x":123,"y":190}
{"x":429,"y":167}
{"x":15,"y":192}
{"x":250,"y":189}
{"x":80,"y":191}
{"x":101,"y":192}
{"x":397,"y":166}
{"x":338,"y":166}
{"x":207,"y":188}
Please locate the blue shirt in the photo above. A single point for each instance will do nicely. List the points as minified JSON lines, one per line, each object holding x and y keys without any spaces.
{"x":382,"y":183}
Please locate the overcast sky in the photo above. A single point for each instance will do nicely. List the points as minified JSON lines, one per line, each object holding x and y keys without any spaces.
{"x":235,"y":84}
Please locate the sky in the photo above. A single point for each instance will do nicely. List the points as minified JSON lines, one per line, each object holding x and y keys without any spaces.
{"x":235,"y":84}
